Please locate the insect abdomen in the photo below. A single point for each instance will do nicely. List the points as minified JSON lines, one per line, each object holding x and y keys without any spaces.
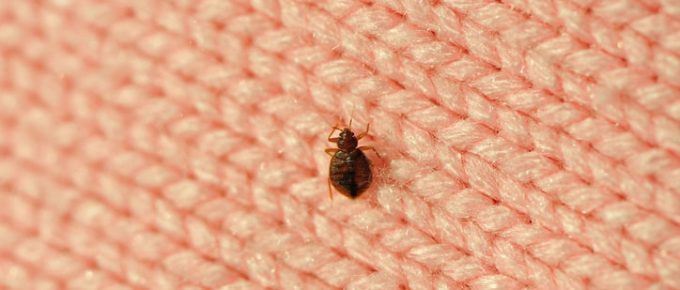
{"x":350,"y":173}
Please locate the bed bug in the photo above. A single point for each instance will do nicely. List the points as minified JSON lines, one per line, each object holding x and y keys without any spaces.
{"x":349,"y":170}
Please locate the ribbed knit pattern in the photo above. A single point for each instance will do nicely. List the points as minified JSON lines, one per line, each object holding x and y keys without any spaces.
{"x":179,"y":144}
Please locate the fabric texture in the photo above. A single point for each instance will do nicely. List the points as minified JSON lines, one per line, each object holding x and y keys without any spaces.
{"x":154,"y":144}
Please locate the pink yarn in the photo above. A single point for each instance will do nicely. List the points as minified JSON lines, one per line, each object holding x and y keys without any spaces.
{"x":528,"y":144}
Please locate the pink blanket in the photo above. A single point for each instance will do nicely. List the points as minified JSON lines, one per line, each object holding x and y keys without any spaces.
{"x":157,"y":144}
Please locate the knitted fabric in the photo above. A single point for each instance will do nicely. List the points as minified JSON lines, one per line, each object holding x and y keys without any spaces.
{"x":525,"y":144}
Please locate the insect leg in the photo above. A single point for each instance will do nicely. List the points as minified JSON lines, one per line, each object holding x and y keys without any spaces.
{"x":362,"y":135}
{"x":362,"y":148}
{"x":331,"y":134}
{"x":331,"y":151}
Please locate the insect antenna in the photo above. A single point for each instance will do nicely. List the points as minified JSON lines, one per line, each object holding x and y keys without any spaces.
{"x":351,"y":116}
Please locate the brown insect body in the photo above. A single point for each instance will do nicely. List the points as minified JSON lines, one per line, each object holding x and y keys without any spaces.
{"x":350,"y":170}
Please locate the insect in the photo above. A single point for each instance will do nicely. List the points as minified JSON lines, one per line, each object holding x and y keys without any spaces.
{"x":350,"y":170}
